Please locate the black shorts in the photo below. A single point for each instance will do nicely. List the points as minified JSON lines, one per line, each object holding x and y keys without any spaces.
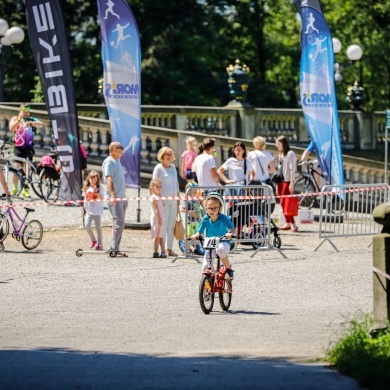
{"x":23,"y":152}
{"x":189,"y":174}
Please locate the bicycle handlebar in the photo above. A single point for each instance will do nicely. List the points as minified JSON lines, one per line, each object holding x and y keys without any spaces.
{"x":312,"y":162}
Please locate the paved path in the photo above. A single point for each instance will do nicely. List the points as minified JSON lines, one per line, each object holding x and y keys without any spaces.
{"x":93,"y":322}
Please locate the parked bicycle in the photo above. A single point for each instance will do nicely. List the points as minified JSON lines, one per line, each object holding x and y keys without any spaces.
{"x":19,"y":179}
{"x":29,"y":232}
{"x":307,"y":185}
{"x":49,"y":177}
{"x":214,"y":280}
{"x":42,"y":176}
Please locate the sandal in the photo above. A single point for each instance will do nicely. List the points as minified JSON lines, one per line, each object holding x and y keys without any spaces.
{"x":121,"y":254}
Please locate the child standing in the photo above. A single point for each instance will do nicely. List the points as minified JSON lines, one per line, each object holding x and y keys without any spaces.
{"x":216,"y":224}
{"x":188,"y":158}
{"x":93,"y":191}
{"x":156,"y":218}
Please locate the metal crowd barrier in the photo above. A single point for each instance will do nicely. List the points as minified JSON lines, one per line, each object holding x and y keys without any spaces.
{"x":346,"y":210}
{"x":250,"y":209}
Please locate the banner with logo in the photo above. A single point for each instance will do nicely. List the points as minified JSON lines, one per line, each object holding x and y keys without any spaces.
{"x":48,"y":38}
{"x":318,"y":95}
{"x":121,"y":56}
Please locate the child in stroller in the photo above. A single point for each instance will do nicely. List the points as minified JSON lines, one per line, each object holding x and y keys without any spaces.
{"x":251,"y":219}
{"x":195,"y":213}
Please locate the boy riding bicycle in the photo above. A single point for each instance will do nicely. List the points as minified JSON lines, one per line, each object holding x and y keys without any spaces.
{"x":216,"y":224}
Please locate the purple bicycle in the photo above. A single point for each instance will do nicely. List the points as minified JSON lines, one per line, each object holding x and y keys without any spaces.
{"x":29,"y":232}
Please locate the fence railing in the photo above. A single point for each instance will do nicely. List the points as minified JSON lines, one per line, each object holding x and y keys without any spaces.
{"x":176,"y":123}
{"x":347,"y":210}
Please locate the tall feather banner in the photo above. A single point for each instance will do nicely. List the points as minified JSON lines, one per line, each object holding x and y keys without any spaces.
{"x":121,"y":56}
{"x":318,"y":95}
{"x":48,"y":38}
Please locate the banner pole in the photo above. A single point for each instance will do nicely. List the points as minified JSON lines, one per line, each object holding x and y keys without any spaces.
{"x":139,"y":206}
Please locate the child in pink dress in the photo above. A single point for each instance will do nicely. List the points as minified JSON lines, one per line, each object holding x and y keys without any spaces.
{"x":188,"y":158}
{"x":156,"y":218}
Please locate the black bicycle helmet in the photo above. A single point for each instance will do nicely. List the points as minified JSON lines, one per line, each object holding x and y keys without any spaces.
{"x":214,"y":195}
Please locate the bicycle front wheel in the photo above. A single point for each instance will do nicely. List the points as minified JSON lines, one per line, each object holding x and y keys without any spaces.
{"x":225,"y":295}
{"x":304,"y":185}
{"x":34,"y":178}
{"x":48,"y":186}
{"x":32,"y":234}
{"x":206,"y":294}
{"x":4,"y":228}
{"x":14,"y":181}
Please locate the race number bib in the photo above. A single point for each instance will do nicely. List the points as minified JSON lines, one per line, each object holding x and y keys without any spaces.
{"x":211,"y":242}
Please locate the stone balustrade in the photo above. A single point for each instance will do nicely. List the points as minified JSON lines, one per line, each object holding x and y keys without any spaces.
{"x":169,"y":126}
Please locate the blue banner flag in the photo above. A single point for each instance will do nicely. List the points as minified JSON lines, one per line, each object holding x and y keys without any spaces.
{"x":48,"y":38}
{"x":121,"y":56}
{"x":318,"y":95}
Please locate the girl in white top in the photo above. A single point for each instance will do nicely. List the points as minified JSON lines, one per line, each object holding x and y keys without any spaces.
{"x":287,"y":166}
{"x":166,"y":172}
{"x":240,"y":169}
{"x":205,"y":166}
{"x":93,"y":191}
{"x":263,"y":161}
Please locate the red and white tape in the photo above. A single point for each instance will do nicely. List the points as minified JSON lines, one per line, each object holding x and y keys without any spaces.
{"x":229,"y":197}
{"x":378,"y":271}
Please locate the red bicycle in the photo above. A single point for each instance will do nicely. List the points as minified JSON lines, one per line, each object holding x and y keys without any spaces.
{"x":213,"y":281}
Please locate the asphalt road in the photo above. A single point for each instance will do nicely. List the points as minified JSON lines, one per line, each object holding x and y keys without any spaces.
{"x":94,"y":322}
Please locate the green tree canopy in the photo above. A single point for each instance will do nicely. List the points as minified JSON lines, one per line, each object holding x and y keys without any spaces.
{"x":186,"y":46}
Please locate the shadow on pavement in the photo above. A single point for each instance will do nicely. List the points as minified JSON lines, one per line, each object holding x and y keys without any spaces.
{"x":68,"y":369}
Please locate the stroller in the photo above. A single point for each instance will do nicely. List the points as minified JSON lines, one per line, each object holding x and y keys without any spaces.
{"x":250,"y":217}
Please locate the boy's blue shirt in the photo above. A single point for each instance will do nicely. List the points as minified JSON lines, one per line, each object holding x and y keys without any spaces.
{"x":215,"y":229}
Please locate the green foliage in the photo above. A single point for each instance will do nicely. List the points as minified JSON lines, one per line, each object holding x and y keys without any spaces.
{"x":187,"y":45}
{"x":362,"y":356}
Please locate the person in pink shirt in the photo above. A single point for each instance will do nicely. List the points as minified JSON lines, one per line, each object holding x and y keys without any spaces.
{"x":188,"y":158}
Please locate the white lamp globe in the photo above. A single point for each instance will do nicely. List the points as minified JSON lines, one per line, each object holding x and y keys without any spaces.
{"x":336,"y":45}
{"x":354,"y":52}
{"x":3,"y":27}
{"x":5,"y":41}
{"x":15,"y":35}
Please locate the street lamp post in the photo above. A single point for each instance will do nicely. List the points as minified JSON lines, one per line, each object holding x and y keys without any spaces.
{"x":9,"y":37}
{"x":354,"y":52}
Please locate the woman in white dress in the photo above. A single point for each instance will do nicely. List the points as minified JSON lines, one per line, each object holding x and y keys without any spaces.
{"x":166,"y":172}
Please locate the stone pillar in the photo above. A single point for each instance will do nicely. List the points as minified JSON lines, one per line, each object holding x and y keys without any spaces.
{"x":364,"y":132}
{"x":381,"y":267}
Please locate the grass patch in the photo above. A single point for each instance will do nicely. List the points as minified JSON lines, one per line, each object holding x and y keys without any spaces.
{"x":363,"y":356}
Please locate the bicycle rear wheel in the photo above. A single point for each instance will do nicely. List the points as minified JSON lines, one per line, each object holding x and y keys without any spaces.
{"x":14,"y":181}
{"x":32,"y":234}
{"x":48,"y":186}
{"x":206,"y":294}
{"x":336,"y":205}
{"x":4,"y":228}
{"x":305,"y":185}
{"x":225,"y":296}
